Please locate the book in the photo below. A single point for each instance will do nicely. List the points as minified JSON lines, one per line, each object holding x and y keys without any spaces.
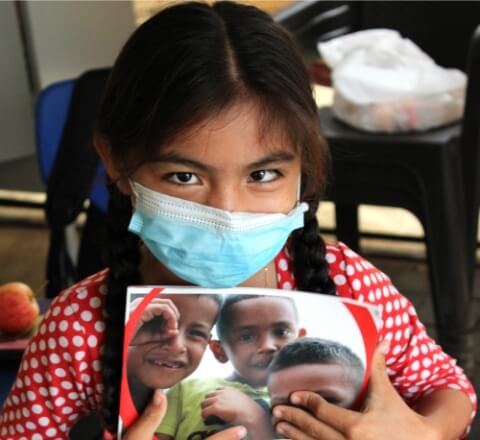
{"x":219,"y":354}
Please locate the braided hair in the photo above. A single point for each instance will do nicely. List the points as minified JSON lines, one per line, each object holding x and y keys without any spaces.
{"x":123,"y":261}
{"x":161,"y":86}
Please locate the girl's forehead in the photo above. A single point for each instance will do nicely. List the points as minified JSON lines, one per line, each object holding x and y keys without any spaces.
{"x":242,"y":127}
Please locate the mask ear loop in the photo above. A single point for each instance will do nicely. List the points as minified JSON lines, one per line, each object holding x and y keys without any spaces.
{"x":299,"y":189}
{"x":134,"y":195}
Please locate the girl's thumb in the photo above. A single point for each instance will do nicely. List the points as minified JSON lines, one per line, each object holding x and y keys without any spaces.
{"x":146,"y":425}
{"x":155,"y":411}
{"x":378,"y":375}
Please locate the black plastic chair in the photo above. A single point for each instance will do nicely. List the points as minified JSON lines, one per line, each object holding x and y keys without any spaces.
{"x":433,"y":174}
{"x":74,"y":177}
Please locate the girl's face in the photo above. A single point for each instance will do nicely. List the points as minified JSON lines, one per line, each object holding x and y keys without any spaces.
{"x":226,"y":163}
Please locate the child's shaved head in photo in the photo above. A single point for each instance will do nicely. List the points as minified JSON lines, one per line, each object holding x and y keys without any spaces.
{"x":251,"y":329}
{"x":325,"y":367}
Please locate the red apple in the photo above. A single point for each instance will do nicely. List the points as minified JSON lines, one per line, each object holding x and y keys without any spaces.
{"x":18,"y":308}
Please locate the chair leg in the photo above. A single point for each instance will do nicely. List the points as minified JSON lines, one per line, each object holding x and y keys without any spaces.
{"x":449,"y":270}
{"x":346,"y":216}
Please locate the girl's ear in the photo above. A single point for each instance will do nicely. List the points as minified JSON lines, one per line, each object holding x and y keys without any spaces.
{"x":218,"y":351}
{"x":104,"y":151}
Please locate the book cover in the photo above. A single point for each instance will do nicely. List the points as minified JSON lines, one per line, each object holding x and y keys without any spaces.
{"x":224,"y":357}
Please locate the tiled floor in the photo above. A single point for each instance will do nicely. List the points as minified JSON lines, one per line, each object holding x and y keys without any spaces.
{"x":24,"y":240}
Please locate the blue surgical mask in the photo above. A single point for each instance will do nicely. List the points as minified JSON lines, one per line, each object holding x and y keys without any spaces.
{"x":206,"y":246}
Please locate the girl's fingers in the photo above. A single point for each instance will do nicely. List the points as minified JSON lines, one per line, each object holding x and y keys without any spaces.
{"x":305,"y":423}
{"x":379,"y":381}
{"x":289,"y":431}
{"x":235,"y":433}
{"x":144,"y":428}
{"x":338,"y":418}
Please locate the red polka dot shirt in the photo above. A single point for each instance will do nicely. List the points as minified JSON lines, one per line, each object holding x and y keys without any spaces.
{"x":59,"y":378}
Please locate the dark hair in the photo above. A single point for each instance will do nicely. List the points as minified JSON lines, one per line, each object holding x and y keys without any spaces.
{"x":186,"y":64}
{"x":306,"y":351}
{"x":225,"y":321}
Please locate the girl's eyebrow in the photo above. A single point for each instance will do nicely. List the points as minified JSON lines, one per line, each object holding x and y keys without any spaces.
{"x":276,"y":156}
{"x":181,"y":160}
{"x":172,"y":157}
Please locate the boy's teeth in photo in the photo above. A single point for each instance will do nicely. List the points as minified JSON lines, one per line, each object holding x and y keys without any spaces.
{"x":263,"y":364}
{"x":169,"y":364}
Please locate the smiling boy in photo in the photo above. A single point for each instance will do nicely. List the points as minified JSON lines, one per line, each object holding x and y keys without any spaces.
{"x":169,"y":343}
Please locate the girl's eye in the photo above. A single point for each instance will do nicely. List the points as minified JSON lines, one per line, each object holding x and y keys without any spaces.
{"x":183,"y":178}
{"x":264,"y":175}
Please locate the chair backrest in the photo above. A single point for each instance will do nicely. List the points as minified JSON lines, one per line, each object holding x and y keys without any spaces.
{"x":76,"y":173}
{"x":50,"y":116}
{"x":314,"y":21}
{"x":52,"y":109}
{"x":66,"y":114}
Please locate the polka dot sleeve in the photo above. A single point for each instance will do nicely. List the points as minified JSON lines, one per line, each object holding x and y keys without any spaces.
{"x":59,"y":376}
{"x":416,"y":365}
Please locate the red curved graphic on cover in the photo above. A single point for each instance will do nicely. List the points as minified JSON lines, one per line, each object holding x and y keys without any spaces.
{"x":128,"y":412}
{"x":366,"y":323}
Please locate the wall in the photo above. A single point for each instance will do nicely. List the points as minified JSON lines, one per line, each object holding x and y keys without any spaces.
{"x":64,"y":38}
{"x":69,"y":37}
{"x":16,"y":118}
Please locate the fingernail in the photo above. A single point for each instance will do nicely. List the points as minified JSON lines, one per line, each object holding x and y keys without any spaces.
{"x":385,"y":346}
{"x":157,"y":396}
{"x":280,"y":429}
{"x":242,"y":432}
{"x":295,"y":399}
{"x":277,"y":413}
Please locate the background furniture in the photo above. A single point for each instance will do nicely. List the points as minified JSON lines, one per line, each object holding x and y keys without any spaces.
{"x":433,"y":174}
{"x":76,"y":183}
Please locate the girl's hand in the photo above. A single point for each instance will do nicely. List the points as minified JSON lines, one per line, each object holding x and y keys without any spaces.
{"x":165,"y":308}
{"x":385,"y":415}
{"x":146,"y":425}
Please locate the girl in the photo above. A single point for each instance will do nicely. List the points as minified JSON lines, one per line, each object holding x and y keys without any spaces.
{"x":209,"y":132}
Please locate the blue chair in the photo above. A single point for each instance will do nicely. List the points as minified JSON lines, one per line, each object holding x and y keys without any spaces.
{"x":7,"y":376}
{"x":70,"y":167}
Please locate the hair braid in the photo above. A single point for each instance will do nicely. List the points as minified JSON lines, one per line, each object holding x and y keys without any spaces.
{"x":309,"y":264}
{"x":123,"y":260}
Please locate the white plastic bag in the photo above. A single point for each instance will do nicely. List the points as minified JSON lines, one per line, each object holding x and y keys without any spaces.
{"x":385,"y":83}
